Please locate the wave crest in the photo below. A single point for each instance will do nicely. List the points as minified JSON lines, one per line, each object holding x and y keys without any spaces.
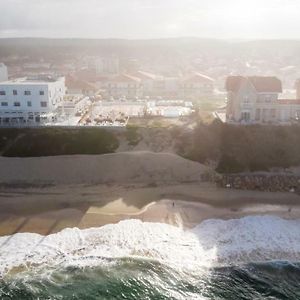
{"x":211,"y":243}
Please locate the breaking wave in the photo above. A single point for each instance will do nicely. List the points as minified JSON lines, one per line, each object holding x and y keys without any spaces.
{"x":213,"y":243}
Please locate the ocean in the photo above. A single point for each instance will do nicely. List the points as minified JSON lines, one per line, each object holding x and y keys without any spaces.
{"x":256,"y":257}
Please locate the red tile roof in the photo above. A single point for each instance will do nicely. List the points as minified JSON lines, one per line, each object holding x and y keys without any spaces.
{"x":74,"y":83}
{"x":266,"y":84}
{"x":289,"y":101}
{"x":260,"y":83}
{"x":233,"y":83}
{"x":198,"y":77}
{"x":125,"y":78}
{"x":144,"y":75}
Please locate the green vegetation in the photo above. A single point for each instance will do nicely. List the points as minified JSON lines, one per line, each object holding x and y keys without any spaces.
{"x":231,"y":148}
{"x":8,"y":136}
{"x":132,"y":135}
{"x":50,"y":141}
{"x":243,"y":148}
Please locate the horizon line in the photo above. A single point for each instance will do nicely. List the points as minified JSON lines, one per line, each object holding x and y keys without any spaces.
{"x":152,"y":39}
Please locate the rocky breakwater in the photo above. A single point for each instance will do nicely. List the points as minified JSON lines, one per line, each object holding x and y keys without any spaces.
{"x":261,"y":182}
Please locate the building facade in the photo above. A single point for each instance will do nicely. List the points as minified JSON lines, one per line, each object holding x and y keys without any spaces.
{"x":196,"y":86}
{"x":192,"y":87}
{"x":75,"y":86}
{"x":107,"y":66}
{"x":255,"y":100}
{"x":3,"y":72}
{"x":124,"y":86}
{"x":30,"y":100}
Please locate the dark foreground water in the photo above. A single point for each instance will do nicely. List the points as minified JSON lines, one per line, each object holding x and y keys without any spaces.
{"x":218,"y":259}
{"x":144,"y":279}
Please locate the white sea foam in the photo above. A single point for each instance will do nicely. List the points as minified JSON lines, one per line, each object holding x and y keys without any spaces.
{"x":213,"y":242}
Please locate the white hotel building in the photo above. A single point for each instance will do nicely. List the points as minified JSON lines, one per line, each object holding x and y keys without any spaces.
{"x":30,"y":100}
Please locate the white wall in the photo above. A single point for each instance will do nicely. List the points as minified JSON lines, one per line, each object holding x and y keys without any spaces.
{"x":53,"y":96}
{"x":3,"y":72}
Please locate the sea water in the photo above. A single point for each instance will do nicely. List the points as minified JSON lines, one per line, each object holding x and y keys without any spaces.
{"x":249,"y":258}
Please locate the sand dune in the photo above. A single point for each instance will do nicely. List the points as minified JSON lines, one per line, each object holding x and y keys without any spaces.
{"x":127,"y":167}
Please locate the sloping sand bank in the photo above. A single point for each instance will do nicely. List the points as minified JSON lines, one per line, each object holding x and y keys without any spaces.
{"x":133,"y":167}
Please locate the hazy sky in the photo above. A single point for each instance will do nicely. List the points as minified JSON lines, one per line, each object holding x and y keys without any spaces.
{"x":150,"y":18}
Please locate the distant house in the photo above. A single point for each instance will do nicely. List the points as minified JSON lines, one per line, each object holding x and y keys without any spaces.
{"x":196,"y":86}
{"x":255,"y":99}
{"x":124,"y":85}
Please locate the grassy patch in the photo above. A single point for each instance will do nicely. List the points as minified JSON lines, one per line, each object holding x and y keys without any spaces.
{"x":132,"y":135}
{"x":50,"y":142}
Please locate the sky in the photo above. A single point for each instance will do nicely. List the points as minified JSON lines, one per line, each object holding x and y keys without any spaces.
{"x":147,"y":19}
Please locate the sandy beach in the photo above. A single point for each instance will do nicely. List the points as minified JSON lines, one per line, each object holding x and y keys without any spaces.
{"x":45,"y":195}
{"x":48,"y":210}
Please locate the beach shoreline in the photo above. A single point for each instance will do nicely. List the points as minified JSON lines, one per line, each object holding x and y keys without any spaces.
{"x":50,"y":209}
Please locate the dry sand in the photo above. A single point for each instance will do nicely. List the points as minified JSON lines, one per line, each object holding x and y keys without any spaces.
{"x":45,"y":195}
{"x":50,"y":209}
{"x":118,"y":168}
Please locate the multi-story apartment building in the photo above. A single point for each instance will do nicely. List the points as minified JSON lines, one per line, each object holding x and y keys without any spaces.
{"x":30,"y":100}
{"x":153,"y":85}
{"x":146,"y":84}
{"x":252,"y":100}
{"x":124,"y":86}
{"x":192,"y":87}
{"x":196,"y":86}
{"x":77,"y":86}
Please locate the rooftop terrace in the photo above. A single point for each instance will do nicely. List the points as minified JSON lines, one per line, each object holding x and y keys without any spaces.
{"x":32,"y":80}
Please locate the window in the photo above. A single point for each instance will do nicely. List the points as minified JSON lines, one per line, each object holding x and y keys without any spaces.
{"x":17,"y":104}
{"x":268,"y":98}
{"x":245,"y":116}
{"x":43,"y":104}
{"x":4,"y":103}
{"x":29,"y":104}
{"x":257,"y":114}
{"x":15,"y":92}
{"x":42,"y":93}
{"x":246,"y":99}
{"x":2,"y":93}
{"x":273,"y":113}
{"x":27,"y":93}
{"x":264,"y":114}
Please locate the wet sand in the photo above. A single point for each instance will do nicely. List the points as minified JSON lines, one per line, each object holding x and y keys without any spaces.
{"x":49,"y":209}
